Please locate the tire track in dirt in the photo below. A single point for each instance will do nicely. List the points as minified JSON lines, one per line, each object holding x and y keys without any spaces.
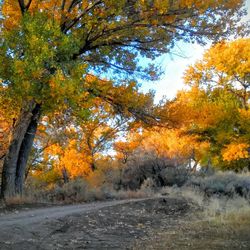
{"x":39,"y":215}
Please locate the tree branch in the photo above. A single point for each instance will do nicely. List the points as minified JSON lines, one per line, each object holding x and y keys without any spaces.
{"x":77,"y":19}
{"x":2,"y":156}
{"x":22,"y":5}
{"x":28,"y":4}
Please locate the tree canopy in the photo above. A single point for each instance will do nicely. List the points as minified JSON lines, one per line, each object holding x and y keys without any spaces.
{"x":61,"y":56}
{"x":216,"y":108}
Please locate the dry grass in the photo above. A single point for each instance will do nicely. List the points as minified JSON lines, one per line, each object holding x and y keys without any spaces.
{"x":220,"y":208}
{"x":80,"y":190}
{"x":221,"y":223}
{"x":18,"y":200}
{"x":206,"y":235}
{"x":129,"y":194}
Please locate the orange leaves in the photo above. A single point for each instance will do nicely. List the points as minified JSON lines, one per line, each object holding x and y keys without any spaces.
{"x":174,"y":144}
{"x":225,"y":66}
{"x":217,"y":103}
{"x":54,"y":150}
{"x":8,"y":112}
{"x":245,"y":119}
{"x":208,"y":114}
{"x":5,"y":128}
{"x":236,"y":151}
{"x":85,"y":4}
{"x":193,"y":75}
{"x":219,"y":82}
{"x":12,"y":14}
{"x":125,"y":149}
{"x":76,"y":162}
{"x":52,"y":8}
{"x":195,"y":107}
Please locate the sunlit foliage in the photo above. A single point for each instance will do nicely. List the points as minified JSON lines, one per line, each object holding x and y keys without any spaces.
{"x":65,"y":57}
{"x":216,"y":108}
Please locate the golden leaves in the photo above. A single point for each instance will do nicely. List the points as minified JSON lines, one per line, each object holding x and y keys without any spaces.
{"x":236,"y":151}
{"x":12,"y":13}
{"x":232,"y":58}
{"x":75,"y":161}
{"x":217,"y":104}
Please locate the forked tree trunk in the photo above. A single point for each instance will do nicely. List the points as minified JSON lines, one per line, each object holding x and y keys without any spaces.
{"x":14,"y":156}
{"x":25,"y":149}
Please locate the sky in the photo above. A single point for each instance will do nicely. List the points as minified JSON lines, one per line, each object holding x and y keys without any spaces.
{"x":174,"y":67}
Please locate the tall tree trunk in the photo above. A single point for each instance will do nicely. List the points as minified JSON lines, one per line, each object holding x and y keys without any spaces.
{"x":12,"y":156}
{"x":25,"y":149}
{"x":65,"y":175}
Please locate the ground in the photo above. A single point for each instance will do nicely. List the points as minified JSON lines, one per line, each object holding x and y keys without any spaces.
{"x":151,"y":223}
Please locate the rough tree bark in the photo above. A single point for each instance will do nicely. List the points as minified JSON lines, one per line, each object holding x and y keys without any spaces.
{"x":25,"y":149}
{"x":19,"y":140}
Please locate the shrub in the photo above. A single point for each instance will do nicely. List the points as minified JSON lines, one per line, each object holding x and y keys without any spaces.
{"x":148,"y":185}
{"x":161,"y":171}
{"x":223,"y":183}
{"x":80,"y":190}
{"x":171,"y":176}
{"x":73,"y":191}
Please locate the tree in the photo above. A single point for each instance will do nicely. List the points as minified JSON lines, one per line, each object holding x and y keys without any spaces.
{"x":125,"y":149}
{"x":225,"y":65}
{"x":60,"y":138}
{"x":216,"y":108}
{"x":7,"y":115}
{"x":49,"y":47}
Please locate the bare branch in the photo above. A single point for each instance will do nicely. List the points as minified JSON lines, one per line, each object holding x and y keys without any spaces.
{"x":63,"y":5}
{"x":77,"y":19}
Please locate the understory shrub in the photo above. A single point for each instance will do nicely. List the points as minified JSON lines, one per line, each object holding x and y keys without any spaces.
{"x":223,"y":183}
{"x":161,"y":172}
{"x":177,"y":176}
{"x":77,"y":190}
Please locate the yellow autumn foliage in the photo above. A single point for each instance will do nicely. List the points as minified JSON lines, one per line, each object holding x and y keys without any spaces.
{"x":231,"y":58}
{"x":69,"y":158}
{"x":174,"y":144}
{"x":236,"y":151}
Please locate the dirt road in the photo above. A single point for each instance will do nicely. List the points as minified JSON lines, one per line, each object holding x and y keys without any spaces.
{"x":24,"y":218}
{"x":99,"y":225}
{"x":150,"y":224}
